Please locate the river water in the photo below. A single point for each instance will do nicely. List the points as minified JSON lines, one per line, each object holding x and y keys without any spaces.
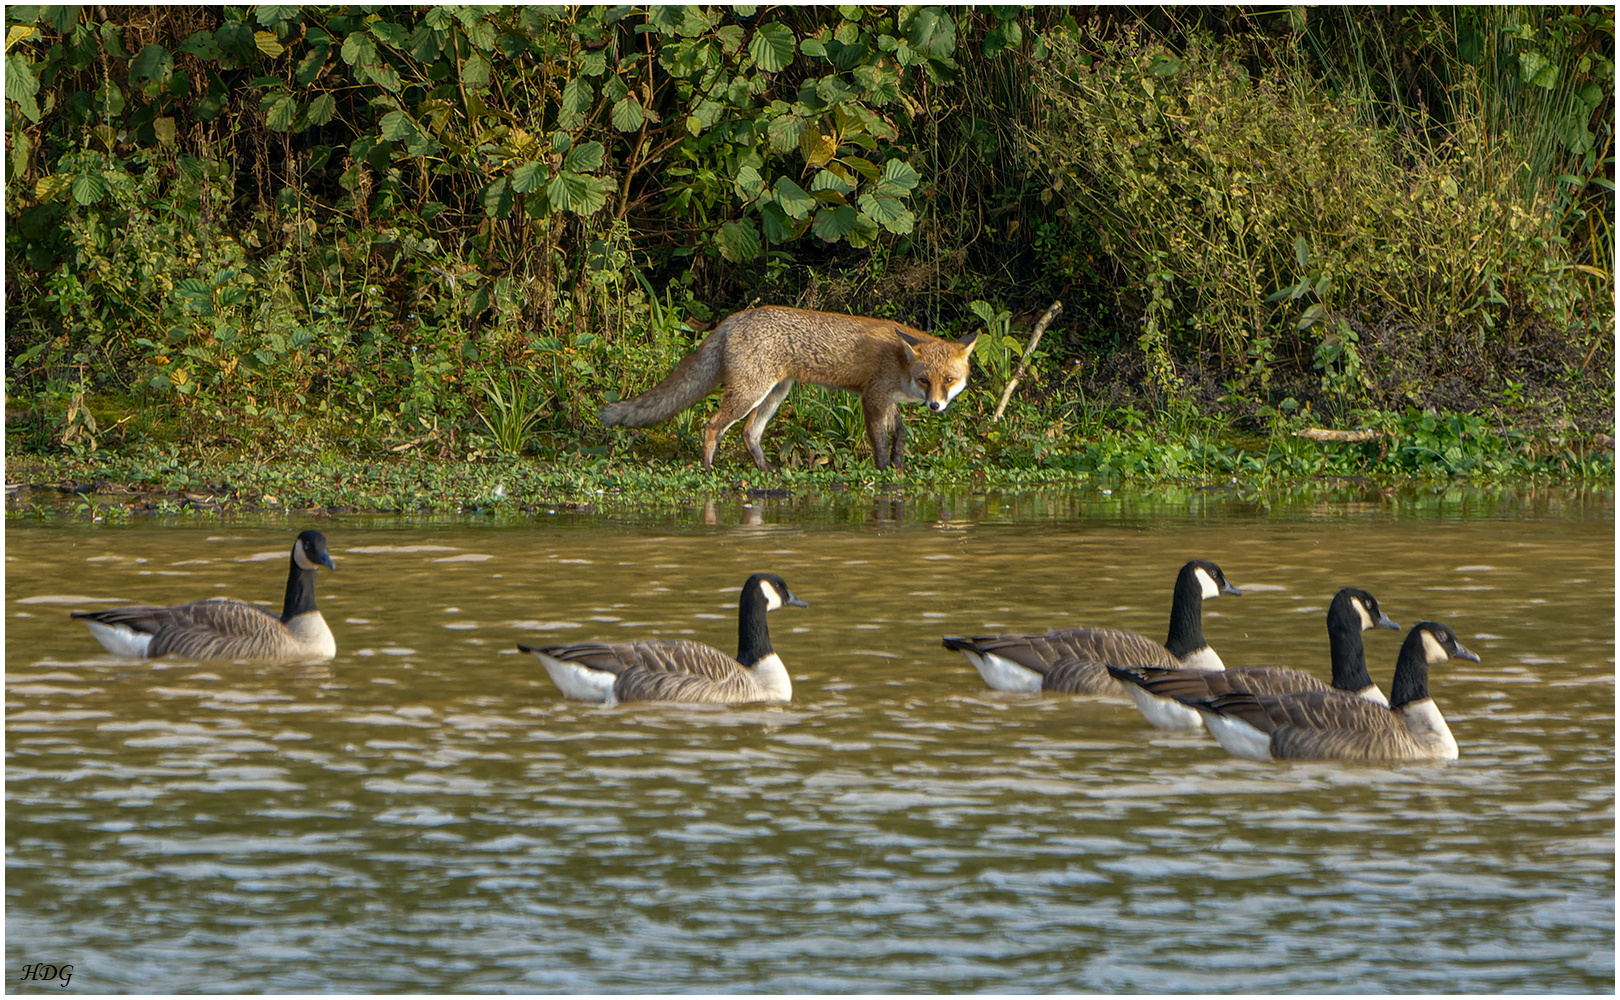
{"x":425,"y":813}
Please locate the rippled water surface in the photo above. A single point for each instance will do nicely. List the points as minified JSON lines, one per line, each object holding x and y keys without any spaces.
{"x":426,"y":813}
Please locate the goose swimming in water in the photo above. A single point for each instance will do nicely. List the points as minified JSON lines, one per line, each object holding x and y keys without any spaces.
{"x":221,"y":629}
{"x":1333,"y":725}
{"x":1162,"y":693}
{"x":1073,"y":660}
{"x":678,"y":669}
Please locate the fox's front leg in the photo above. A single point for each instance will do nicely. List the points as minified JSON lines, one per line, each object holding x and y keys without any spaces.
{"x":883,"y":428}
{"x":897,"y":447}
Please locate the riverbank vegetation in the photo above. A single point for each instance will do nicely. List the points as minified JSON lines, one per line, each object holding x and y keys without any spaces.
{"x":341,"y":239}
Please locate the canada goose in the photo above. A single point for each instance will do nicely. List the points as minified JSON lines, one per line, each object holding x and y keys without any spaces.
{"x":1160,"y":692}
{"x":679,"y":669}
{"x":1071,"y":660}
{"x":221,"y":629}
{"x":1333,"y":725}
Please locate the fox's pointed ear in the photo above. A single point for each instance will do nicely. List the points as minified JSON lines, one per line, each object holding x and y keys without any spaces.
{"x":907,"y":343}
{"x":968,"y":341}
{"x":907,"y":337}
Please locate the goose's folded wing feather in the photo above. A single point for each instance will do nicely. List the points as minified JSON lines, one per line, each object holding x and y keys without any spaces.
{"x":1199,"y":685}
{"x":225,"y":617}
{"x":1111,"y":645}
{"x":642,"y":684}
{"x":656,"y":656}
{"x":1042,"y":653}
{"x":1391,"y":742}
{"x":1076,"y":675}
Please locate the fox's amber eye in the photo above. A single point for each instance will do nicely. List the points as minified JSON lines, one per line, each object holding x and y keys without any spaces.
{"x":949,"y":381}
{"x":923,"y":382}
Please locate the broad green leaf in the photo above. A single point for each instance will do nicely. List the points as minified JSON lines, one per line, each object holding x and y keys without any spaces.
{"x":627,"y":115}
{"x":358,"y":48}
{"x":813,"y":47}
{"x":772,"y":47}
{"x":322,"y":109}
{"x":738,"y":241}
{"x":863,"y":233}
{"x":265,"y":41}
{"x":61,"y":18}
{"x":890,"y":212}
{"x":390,"y":33}
{"x":577,"y":193}
{"x":775,"y":223}
{"x":274,"y":13}
{"x":614,"y":88}
{"x":749,"y":185}
{"x":396,"y":126}
{"x":833,"y":223}
{"x":22,"y":85}
{"x":832,"y":90}
{"x":498,"y":199}
{"x":1006,"y":35}
{"x":282,"y":114}
{"x":530,"y":177}
{"x":818,"y":148}
{"x":730,"y":37}
{"x":50,"y":186}
{"x":89,"y":188}
{"x":164,"y":130}
{"x":1531,"y":64}
{"x":793,"y":199}
{"x":475,"y":72}
{"x":827,"y":180}
{"x":309,"y":67}
{"x":576,"y":100}
{"x":202,"y":45}
{"x":585,"y":157}
{"x":236,"y":44}
{"x":153,"y":64}
{"x":784,"y":132}
{"x":931,"y":32}
{"x":1302,"y":252}
{"x":899,"y":174}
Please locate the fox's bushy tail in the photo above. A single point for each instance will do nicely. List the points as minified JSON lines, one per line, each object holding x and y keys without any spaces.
{"x":692,"y":379}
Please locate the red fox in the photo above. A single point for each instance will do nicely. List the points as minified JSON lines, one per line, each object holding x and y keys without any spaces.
{"x":760,"y":353}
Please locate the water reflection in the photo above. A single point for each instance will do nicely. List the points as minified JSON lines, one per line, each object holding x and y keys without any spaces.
{"x":425,"y":812}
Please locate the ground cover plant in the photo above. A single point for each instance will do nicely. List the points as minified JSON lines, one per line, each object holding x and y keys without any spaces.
{"x":348,"y":239}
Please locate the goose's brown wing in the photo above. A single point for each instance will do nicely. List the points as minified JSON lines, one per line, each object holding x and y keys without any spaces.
{"x":1072,"y":675}
{"x":1083,"y":652}
{"x":1201,"y":685}
{"x":204,"y":630}
{"x":1071,"y":660}
{"x":669,"y":656}
{"x":225,"y":617}
{"x":1323,"y":725}
{"x":735,"y":688}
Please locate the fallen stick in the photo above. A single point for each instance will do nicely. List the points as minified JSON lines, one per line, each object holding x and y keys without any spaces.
{"x":1052,"y":312}
{"x":1343,"y":437}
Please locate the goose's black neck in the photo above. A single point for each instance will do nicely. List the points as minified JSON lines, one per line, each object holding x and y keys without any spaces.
{"x":300,"y":592}
{"x":1186,"y":613}
{"x":1411,"y":681}
{"x":753,"y":634}
{"x":1349,"y":654}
